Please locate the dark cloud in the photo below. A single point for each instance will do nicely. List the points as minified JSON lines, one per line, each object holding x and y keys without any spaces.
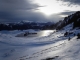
{"x":18,"y":10}
{"x":67,"y":12}
{"x":71,"y":2}
{"x":16,"y":16}
{"x":17,"y":5}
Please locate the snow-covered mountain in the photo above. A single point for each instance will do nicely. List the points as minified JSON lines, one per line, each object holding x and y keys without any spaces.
{"x":24,"y":25}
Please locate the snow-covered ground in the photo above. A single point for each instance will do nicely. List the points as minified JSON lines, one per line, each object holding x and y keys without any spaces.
{"x":54,"y":46}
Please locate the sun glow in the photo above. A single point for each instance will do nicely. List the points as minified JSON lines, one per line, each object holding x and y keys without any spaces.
{"x":49,"y":6}
{"x":49,"y":10}
{"x":52,"y":7}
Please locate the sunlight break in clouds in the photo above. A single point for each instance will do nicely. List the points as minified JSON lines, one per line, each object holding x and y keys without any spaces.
{"x":53,"y":6}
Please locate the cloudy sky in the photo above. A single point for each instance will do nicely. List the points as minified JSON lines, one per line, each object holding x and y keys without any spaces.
{"x":37,"y":10}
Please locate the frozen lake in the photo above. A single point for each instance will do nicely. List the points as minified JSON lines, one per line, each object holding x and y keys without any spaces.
{"x":33,"y":33}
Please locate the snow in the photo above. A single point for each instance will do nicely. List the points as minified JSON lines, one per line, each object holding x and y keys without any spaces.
{"x":42,"y":47}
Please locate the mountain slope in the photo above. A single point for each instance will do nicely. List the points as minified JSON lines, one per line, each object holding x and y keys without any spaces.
{"x":74,"y":18}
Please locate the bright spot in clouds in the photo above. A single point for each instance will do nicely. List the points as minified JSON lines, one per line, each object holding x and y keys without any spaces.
{"x":52,"y":7}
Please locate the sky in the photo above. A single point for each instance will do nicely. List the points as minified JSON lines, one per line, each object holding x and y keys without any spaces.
{"x":37,"y":10}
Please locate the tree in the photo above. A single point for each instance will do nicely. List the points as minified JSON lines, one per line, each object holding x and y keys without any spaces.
{"x":78,"y":36}
{"x":65,"y":34}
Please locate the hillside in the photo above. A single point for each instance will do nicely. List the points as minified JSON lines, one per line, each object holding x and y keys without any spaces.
{"x":74,"y":18}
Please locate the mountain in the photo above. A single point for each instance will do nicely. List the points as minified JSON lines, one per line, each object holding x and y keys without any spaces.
{"x":24,"y":25}
{"x":74,"y":18}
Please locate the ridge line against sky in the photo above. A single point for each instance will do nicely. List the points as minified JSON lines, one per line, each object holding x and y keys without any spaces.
{"x":37,"y":10}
